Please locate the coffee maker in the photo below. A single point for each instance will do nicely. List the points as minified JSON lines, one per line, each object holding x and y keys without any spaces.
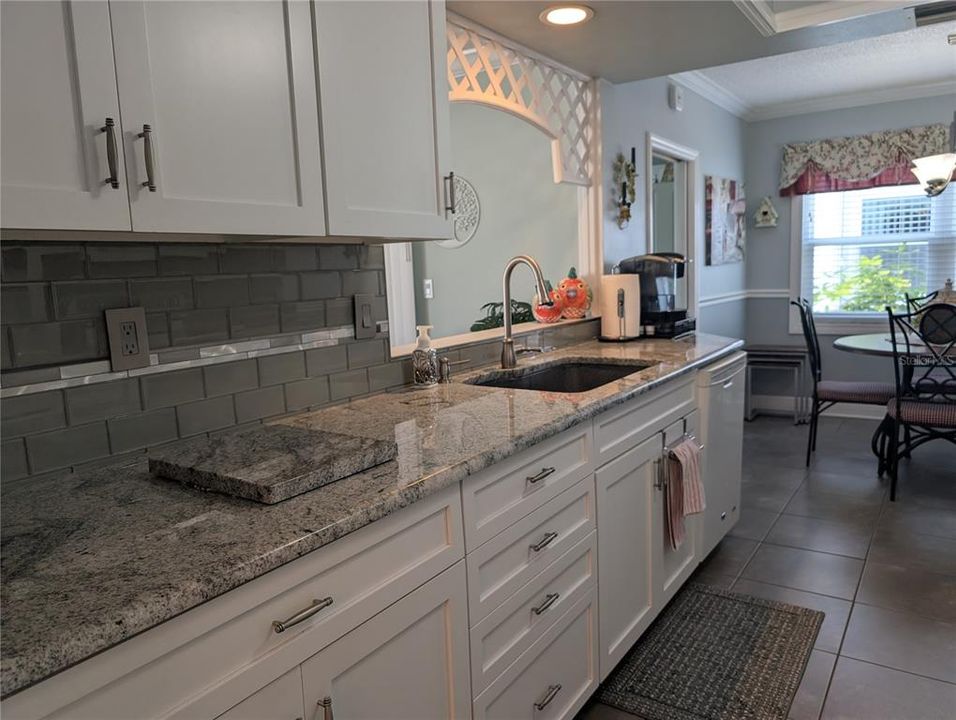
{"x":663,"y":308}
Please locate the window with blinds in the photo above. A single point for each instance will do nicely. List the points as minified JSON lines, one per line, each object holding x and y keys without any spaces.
{"x":865,"y":249}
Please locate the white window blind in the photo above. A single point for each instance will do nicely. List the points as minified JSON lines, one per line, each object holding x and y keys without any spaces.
{"x":865,"y":249}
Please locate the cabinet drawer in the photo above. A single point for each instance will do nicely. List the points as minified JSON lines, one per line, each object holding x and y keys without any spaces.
{"x":504,"y":493}
{"x":502,"y":565}
{"x":510,"y":629}
{"x":281,"y":698}
{"x":618,"y":430}
{"x":205,"y":661}
{"x":556,"y":675}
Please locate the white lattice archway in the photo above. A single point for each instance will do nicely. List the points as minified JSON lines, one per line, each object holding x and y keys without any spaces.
{"x":486,"y":68}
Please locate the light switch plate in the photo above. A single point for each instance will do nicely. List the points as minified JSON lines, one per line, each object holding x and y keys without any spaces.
{"x":364,"y":317}
{"x":129,"y":345}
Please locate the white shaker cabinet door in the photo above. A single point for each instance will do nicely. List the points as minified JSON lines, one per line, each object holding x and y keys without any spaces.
{"x":279,"y":700}
{"x":383,"y":91}
{"x":409,"y":662}
{"x":220,"y":116}
{"x":625,"y":503}
{"x":58,"y":89}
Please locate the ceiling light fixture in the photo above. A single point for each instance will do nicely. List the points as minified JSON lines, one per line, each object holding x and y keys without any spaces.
{"x":566,"y":15}
{"x":934,"y":172}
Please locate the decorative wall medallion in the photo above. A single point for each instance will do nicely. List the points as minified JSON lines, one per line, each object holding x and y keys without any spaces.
{"x":467,"y":214}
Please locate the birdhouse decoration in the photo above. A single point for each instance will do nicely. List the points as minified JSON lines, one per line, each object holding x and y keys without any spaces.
{"x":765,"y":215}
{"x":625,"y":178}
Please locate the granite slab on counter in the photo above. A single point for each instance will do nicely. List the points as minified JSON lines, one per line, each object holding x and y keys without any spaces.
{"x":269,"y":463}
{"x":91,"y":559}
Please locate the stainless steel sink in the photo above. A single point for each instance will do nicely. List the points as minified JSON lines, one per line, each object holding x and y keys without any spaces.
{"x":570,"y":377}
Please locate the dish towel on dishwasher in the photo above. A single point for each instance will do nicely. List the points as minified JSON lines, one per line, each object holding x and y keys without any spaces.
{"x":685,"y":491}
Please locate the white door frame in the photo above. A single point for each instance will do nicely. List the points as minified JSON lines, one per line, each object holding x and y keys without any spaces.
{"x":662,"y":146}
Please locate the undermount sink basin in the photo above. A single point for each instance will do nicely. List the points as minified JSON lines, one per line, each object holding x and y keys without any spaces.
{"x":569,"y":377}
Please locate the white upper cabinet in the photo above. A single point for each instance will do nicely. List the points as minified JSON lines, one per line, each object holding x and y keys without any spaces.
{"x":59,"y":88}
{"x":384,"y":98}
{"x":220,"y":116}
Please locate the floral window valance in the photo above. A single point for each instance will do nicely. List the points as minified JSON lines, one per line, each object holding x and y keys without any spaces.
{"x":861,"y":161}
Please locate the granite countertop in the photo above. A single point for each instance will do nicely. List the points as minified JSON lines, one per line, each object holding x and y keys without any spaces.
{"x":91,"y":559}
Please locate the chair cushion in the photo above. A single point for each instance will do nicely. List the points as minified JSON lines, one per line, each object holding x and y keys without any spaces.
{"x":871,"y":393}
{"x":925,"y":413}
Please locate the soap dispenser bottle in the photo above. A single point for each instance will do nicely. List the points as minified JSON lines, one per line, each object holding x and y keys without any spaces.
{"x":425,"y":359}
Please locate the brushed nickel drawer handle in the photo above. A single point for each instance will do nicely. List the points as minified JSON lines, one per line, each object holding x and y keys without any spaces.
{"x":147,"y":136}
{"x":549,"y":600}
{"x":549,"y":696}
{"x":326,"y":705}
{"x":316,"y":607}
{"x":110,"y":129}
{"x":544,"y":542}
{"x":532,"y":479}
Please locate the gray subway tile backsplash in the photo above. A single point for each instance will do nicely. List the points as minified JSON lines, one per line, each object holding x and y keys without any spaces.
{"x":231,"y":377}
{"x":81,"y":299}
{"x":303,"y":394}
{"x":172,"y":388}
{"x":13,"y":459}
{"x":277,"y":369}
{"x":67,"y":447}
{"x":141,"y":431}
{"x":206,"y":415}
{"x":100,"y":401}
{"x":258,"y":294}
{"x":261,"y":403}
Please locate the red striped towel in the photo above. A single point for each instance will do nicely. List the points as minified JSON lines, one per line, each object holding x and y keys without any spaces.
{"x":685,"y":491}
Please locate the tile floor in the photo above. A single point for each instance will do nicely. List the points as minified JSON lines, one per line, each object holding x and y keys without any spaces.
{"x":884,"y":573}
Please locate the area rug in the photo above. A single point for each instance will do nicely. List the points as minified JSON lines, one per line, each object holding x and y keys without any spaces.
{"x":716,"y":655}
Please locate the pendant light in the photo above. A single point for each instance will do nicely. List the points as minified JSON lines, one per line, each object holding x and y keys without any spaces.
{"x":935,"y":171}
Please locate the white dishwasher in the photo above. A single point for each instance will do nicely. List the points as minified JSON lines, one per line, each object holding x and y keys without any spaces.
{"x":720,"y":397}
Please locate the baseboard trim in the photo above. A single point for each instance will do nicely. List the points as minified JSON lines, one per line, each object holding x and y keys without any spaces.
{"x":783,"y":405}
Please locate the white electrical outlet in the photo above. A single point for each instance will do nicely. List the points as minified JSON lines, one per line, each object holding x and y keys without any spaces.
{"x":428,"y":289}
{"x":126,"y":329}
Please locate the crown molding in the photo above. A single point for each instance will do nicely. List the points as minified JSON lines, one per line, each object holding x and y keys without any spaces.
{"x":769,"y":22}
{"x":708,"y":89}
{"x":850,"y":100}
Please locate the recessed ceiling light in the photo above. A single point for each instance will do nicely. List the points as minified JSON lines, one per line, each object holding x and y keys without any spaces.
{"x":566,"y":15}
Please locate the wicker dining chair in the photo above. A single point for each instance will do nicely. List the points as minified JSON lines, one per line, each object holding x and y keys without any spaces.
{"x":924,"y":406}
{"x":827,"y":393}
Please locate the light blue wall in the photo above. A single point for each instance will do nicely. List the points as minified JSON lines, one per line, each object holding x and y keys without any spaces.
{"x":768,"y":250}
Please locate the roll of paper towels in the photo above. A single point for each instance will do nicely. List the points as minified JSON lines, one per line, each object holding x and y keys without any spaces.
{"x":620,"y":307}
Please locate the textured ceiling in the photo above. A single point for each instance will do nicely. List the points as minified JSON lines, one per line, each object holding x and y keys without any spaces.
{"x":904,"y":60}
{"x":637,"y":39}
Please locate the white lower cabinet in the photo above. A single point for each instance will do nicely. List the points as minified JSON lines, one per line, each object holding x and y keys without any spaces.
{"x":279,"y":700}
{"x":554,"y":678}
{"x":625,"y":503}
{"x":409,"y":661}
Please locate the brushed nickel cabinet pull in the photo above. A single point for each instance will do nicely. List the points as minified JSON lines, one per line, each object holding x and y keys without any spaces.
{"x":532,"y":479}
{"x":544,"y":542}
{"x":450,"y":207}
{"x":316,"y":607}
{"x":110,"y":129}
{"x":548,"y":697}
{"x":147,"y":136}
{"x":661,"y":481}
{"x":549,"y":600}
{"x":326,"y":705}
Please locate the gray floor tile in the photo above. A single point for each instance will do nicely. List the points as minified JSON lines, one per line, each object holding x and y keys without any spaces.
{"x":808,"y":701}
{"x":730,"y":556}
{"x":830,"y":506}
{"x":902,"y":641}
{"x":905,"y":516}
{"x":841,"y":538}
{"x":769,"y":495}
{"x":863,"y":486}
{"x":899,"y":587}
{"x":807,"y":570}
{"x":837,"y":462}
{"x":861,"y":691}
{"x":753,"y":524}
{"x":836,"y":611}
{"x":901,"y":547}
{"x":704,"y":576}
